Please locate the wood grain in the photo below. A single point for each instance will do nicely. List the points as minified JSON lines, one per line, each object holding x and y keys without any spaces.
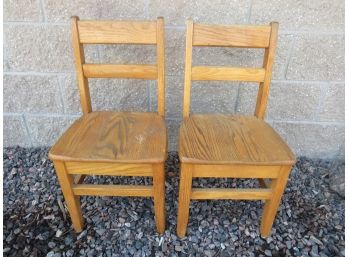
{"x":227,"y":193}
{"x":262,"y":96}
{"x":79,"y":55}
{"x":271,"y":206}
{"x":160,"y":67}
{"x":185,"y":186}
{"x":110,"y":169}
{"x":120,"y":71}
{"x":117,"y":32}
{"x":227,"y":73}
{"x":124,"y":137}
{"x":113,"y":190}
{"x":224,"y":139}
{"x":188,"y":67}
{"x":73,"y":201}
{"x":233,"y":36}
{"x":159,"y":196}
{"x":235,"y":171}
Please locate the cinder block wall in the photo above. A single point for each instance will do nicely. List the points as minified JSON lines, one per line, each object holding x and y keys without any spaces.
{"x":306,"y":103}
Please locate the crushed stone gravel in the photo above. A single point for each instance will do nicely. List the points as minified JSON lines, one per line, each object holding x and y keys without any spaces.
{"x":310,"y":221}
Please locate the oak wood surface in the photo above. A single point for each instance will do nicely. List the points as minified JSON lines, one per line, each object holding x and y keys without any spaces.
{"x":66,"y":182}
{"x":233,"y":36}
{"x":225,"y":139}
{"x":185,"y":188}
{"x":79,"y":57}
{"x":188,"y":69}
{"x":160,"y":67}
{"x":123,"y":137}
{"x":271,"y":206}
{"x":227,"y":193}
{"x":140,"y":71}
{"x":117,"y":32}
{"x":235,"y":171}
{"x":227,"y":73}
{"x":109,"y":168}
{"x":159,"y":196}
{"x":268,"y":60}
{"x":113,"y":190}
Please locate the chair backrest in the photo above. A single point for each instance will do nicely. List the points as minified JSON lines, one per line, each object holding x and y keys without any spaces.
{"x":117,"y":32}
{"x":231,"y":36}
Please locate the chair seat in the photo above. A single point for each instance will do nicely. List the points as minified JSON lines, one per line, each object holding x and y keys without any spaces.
{"x":226,"y":139}
{"x":113,"y":137}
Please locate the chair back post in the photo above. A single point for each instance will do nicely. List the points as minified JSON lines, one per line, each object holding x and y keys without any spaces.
{"x":118,"y":32}
{"x":160,"y":67}
{"x":262,"y":96}
{"x":79,"y":55}
{"x":188,"y":69}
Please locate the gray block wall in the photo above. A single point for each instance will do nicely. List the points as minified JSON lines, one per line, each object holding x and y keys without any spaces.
{"x":306,"y":104}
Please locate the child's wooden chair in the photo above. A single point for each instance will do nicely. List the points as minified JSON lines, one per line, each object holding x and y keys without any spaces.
{"x":114,"y":143}
{"x":232,"y":146}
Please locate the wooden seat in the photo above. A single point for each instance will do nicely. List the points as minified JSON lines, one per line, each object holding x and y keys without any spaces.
{"x":114,"y":143}
{"x":226,"y":139}
{"x":117,"y":137}
{"x":227,"y":146}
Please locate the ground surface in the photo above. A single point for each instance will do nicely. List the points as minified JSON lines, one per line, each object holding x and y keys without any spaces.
{"x":310,"y":221}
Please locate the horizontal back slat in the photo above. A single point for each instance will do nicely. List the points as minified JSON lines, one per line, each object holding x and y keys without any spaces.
{"x":228,"y":73}
{"x":233,"y":36}
{"x":120,"y":71}
{"x":117,"y":32}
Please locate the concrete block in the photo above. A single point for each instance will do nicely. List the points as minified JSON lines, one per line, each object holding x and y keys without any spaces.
{"x":45,"y":130}
{"x":15,"y":132}
{"x":62,"y":10}
{"x":317,"y":57}
{"x":28,"y":93}
{"x":220,"y":11}
{"x":312,"y":139}
{"x":333,"y":104}
{"x":305,"y":15}
{"x":214,"y":97}
{"x":37,"y":48}
{"x":22,"y":10}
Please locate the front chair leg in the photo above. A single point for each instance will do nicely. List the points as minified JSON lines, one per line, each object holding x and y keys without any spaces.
{"x":271,"y":205}
{"x":66,"y":182}
{"x":159,"y":196}
{"x":184,"y":198}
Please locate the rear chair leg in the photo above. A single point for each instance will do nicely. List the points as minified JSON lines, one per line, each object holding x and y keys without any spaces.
{"x":271,"y":205}
{"x":159,"y":196}
{"x":184,"y":198}
{"x":66,"y":182}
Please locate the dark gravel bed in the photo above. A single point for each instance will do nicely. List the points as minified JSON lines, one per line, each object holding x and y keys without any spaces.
{"x":310,"y":221}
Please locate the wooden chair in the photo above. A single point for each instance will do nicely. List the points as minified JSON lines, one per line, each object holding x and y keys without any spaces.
{"x":114,"y":143}
{"x":229,"y":146}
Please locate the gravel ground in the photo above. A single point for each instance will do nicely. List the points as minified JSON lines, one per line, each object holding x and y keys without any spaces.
{"x":36,"y":223}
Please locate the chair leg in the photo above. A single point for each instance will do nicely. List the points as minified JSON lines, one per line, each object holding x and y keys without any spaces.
{"x":73,"y":202}
{"x":159,"y":196}
{"x":271,"y":205}
{"x":184,"y":198}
